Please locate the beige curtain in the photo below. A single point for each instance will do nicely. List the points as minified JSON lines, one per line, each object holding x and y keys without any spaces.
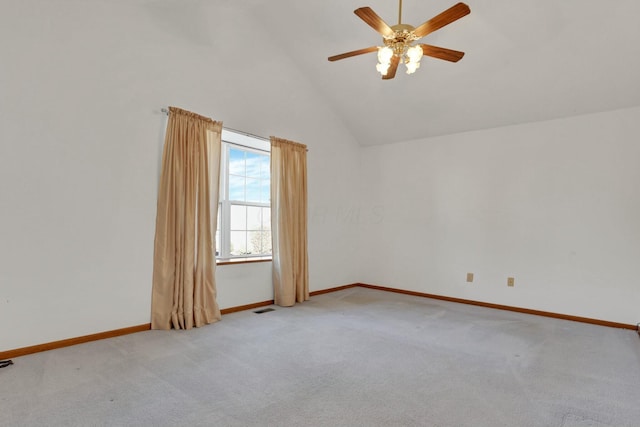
{"x":184,"y":291}
{"x":289,"y":221}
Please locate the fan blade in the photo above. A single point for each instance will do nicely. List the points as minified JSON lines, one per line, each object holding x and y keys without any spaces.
{"x":391,"y":73}
{"x":370,"y":17}
{"x":442,"y":53}
{"x":353,"y":53}
{"x":445,"y":18}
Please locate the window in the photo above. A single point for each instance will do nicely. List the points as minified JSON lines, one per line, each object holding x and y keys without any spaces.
{"x":244,"y":213}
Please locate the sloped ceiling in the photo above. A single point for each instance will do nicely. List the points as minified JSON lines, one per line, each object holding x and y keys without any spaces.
{"x":526,"y":60}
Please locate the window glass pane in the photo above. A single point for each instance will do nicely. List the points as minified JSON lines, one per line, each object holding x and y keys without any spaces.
{"x":238,"y":243}
{"x":259,"y":242}
{"x":238,"y":217}
{"x":254,"y":220}
{"x":236,"y":162}
{"x":218,"y":231}
{"x":236,"y":188}
{"x":266,"y":242}
{"x":254,"y":161}
{"x":253,"y":190}
{"x":246,"y":176}
{"x":265,"y":191}
{"x":265,"y":168}
{"x":266,"y":218}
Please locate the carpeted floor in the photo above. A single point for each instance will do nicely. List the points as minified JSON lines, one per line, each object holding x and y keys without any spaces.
{"x":357,"y":357}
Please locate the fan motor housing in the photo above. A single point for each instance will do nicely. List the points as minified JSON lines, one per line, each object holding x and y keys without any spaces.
{"x":402,"y":33}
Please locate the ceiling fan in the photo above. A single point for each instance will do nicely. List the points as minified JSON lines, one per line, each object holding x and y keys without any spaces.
{"x":398,"y":40}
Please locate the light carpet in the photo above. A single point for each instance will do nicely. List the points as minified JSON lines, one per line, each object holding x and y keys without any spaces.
{"x":357,"y":357}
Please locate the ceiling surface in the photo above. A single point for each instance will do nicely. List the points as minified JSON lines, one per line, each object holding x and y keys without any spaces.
{"x":526,"y":61}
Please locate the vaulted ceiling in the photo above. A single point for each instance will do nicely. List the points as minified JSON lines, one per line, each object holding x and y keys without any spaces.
{"x":526,"y":60}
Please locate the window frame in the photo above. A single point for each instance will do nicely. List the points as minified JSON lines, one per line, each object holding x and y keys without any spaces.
{"x":248,"y":143}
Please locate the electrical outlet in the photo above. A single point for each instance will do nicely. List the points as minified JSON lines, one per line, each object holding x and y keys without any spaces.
{"x":510,"y":281}
{"x":469,"y":277}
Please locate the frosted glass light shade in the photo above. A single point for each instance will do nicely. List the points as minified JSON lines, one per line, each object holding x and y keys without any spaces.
{"x":412,"y":67}
{"x":414,"y":53}
{"x":384,"y":55}
{"x":383,"y":68}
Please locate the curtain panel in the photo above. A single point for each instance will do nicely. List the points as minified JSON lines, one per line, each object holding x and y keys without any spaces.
{"x":184,"y":291}
{"x":289,"y":221}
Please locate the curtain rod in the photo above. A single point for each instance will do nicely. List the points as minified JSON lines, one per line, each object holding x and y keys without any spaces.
{"x":166,"y":111}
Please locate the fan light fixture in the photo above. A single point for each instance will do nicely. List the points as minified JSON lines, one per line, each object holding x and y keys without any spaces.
{"x":398,"y":43}
{"x":398,"y":40}
{"x":407,"y":54}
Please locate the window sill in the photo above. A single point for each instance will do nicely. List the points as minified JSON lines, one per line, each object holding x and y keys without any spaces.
{"x":231,"y":261}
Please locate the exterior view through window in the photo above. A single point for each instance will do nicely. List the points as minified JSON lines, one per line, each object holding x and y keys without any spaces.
{"x":244,"y":213}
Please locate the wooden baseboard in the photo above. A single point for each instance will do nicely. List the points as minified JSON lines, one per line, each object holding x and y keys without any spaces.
{"x":504,"y":307}
{"x":271,"y":302}
{"x":245,"y":307}
{"x":104,"y":335}
{"x":73,"y":341}
{"x":339,"y":288}
{"x":147,"y":326}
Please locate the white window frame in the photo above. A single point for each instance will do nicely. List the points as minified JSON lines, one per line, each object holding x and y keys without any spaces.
{"x":234,"y":139}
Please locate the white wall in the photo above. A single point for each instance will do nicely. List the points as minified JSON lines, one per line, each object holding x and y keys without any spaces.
{"x":82,"y":85}
{"x":243,"y":284}
{"x":554,"y":204}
